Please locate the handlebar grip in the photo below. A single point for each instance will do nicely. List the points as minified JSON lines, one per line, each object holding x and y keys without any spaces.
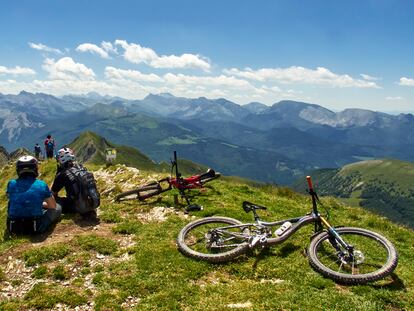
{"x":309,"y":179}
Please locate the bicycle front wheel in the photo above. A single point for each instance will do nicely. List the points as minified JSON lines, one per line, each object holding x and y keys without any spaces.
{"x":212,"y":239}
{"x":373,"y":256}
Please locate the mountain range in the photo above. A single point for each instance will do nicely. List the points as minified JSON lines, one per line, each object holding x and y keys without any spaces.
{"x":274,"y":143}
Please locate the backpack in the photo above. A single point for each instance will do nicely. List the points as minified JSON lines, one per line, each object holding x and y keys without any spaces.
{"x":50,"y":144}
{"x":23,"y":225}
{"x":86,"y":194}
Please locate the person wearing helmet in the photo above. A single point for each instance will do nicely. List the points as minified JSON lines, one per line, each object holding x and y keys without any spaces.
{"x":31,"y":207}
{"x":66,"y":159}
{"x":70,"y":176}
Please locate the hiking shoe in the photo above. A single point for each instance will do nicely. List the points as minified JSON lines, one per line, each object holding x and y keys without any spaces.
{"x":90,"y":216}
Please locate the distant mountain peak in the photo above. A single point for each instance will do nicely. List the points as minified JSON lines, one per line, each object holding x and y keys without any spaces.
{"x":23,"y":92}
{"x":166,"y":95}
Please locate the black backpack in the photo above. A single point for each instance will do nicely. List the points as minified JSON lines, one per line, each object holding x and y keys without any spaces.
{"x":86,"y":194}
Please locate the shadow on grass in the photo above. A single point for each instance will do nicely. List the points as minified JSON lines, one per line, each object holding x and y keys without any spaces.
{"x":395,"y":284}
{"x":34,"y":238}
{"x":283,"y":252}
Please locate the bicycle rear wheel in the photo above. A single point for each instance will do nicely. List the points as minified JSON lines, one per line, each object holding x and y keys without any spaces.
{"x":211,"y":239}
{"x":140,"y":193}
{"x":373,"y":257}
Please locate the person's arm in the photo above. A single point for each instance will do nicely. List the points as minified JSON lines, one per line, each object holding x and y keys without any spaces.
{"x":49,"y":203}
{"x":57,"y":184}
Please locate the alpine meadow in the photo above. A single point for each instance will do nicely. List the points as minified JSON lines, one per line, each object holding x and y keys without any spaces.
{"x":216,"y":155}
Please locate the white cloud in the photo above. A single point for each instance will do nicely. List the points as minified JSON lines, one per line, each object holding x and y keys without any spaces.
{"x":369,"y":78}
{"x":117,"y":74}
{"x":137,"y":54}
{"x":108,"y":46}
{"x":406,"y":81}
{"x":94,"y":49}
{"x":66,"y":69}
{"x":44,"y":48}
{"x":16,"y":71}
{"x":394,"y":98}
{"x":212,"y":81}
{"x":296,"y":74}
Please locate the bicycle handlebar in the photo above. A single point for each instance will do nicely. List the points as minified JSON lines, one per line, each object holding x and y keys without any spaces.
{"x":310,"y":185}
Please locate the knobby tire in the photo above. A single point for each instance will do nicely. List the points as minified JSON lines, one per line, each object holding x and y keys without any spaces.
{"x":184,"y":240}
{"x":137,"y":191}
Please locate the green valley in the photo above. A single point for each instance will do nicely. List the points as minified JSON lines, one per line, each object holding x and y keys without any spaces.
{"x":384,"y":186}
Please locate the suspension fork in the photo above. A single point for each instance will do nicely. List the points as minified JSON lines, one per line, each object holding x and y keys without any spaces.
{"x":335,"y":238}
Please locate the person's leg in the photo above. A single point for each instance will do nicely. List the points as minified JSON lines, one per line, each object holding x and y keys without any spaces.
{"x":68,"y":206}
{"x":50,"y":216}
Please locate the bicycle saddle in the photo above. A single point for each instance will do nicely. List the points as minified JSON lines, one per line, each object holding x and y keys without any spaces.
{"x":248,"y":206}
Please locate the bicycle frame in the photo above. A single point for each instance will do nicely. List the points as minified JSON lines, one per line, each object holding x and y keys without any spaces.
{"x":298,"y":222}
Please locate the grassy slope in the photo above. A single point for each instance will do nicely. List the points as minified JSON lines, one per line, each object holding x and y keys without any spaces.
{"x":388,"y":169}
{"x":383,"y":186}
{"x":157,"y":277}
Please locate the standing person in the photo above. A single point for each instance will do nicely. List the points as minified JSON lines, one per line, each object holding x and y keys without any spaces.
{"x":37,"y":151}
{"x":31,"y":207}
{"x":49,"y":146}
{"x":82,"y":196}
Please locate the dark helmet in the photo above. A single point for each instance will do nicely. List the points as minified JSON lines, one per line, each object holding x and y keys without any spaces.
{"x":27,"y":165}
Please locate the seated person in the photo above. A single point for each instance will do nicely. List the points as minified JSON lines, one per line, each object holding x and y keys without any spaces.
{"x":31,"y":206}
{"x":70,"y":175}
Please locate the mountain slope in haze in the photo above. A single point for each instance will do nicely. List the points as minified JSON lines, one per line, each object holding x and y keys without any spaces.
{"x":90,"y":148}
{"x":383,"y":186}
{"x":158,"y":138}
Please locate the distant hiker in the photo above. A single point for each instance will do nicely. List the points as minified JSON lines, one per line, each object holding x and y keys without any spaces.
{"x":82,"y":196}
{"x":31,"y":207}
{"x":49,"y":146}
{"x":37,"y":151}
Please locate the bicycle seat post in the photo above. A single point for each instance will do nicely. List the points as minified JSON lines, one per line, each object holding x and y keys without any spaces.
{"x":256,"y":216}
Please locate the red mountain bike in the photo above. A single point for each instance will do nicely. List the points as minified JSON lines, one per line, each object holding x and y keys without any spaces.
{"x":168,"y":183}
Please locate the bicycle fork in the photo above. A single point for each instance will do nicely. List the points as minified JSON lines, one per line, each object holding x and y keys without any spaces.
{"x":336,"y":240}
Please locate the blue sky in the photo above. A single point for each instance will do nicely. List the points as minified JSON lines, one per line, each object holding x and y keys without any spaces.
{"x":336,"y":54}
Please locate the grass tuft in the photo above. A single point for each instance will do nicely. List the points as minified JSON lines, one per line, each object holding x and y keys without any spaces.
{"x":97,"y":243}
{"x":45,"y":254}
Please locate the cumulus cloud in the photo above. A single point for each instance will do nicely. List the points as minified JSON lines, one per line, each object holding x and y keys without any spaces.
{"x":44,"y":48}
{"x":137,"y":54}
{"x":394,"y":98}
{"x":297,"y":74}
{"x":369,"y":78}
{"x":118,"y":74}
{"x":406,"y":81}
{"x":212,"y":81}
{"x":92,"y":48}
{"x":108,"y":46}
{"x":17,"y":71}
{"x":67,"y":69}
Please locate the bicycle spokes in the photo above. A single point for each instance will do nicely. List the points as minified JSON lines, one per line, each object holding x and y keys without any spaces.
{"x":364,"y":256}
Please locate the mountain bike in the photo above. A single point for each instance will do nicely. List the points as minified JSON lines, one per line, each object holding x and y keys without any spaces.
{"x":178,"y":182}
{"x":345,"y":254}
